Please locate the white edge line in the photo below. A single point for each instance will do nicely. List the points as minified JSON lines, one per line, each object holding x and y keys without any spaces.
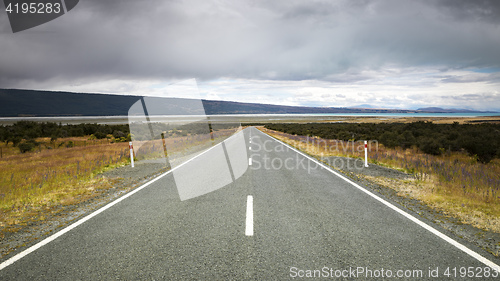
{"x":410,"y":217}
{"x":95,"y":213}
{"x":250,"y":161}
{"x":74,"y":225}
{"x":249,"y":219}
{"x":207,"y":150}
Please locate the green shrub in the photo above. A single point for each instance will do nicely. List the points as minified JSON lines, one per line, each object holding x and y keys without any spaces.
{"x":482,"y":140}
{"x":25,"y":147}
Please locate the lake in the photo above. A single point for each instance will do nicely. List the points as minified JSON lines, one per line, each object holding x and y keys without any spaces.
{"x":238,"y":117}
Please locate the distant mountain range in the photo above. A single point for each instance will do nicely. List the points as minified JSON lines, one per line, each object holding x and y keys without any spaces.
{"x":449,"y":110}
{"x":19,"y":103}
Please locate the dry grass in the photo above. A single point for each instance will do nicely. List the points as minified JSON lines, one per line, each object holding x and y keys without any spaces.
{"x":477,"y":213}
{"x":37,"y":183}
{"x":42,"y":180}
{"x":455,"y":183}
{"x":179,"y":146}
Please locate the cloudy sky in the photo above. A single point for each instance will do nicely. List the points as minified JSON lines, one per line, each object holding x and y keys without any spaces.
{"x":388,"y":53}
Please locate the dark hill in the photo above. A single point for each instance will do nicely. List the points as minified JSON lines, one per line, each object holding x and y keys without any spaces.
{"x":19,"y":103}
{"x":448,"y":110}
{"x":14,"y":103}
{"x":45,"y":103}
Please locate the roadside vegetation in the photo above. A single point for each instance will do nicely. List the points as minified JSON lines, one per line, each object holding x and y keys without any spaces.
{"x":478,"y":140}
{"x":450,"y":177}
{"x":46,"y":166}
{"x":43,"y":180}
{"x":23,"y":134}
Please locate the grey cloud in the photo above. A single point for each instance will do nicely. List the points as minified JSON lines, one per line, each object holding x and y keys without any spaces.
{"x":476,"y":10}
{"x":282,"y":40}
{"x":305,"y":11}
{"x":481,"y":100}
{"x":482,"y":97}
{"x":468,"y":97}
{"x":472,"y":78}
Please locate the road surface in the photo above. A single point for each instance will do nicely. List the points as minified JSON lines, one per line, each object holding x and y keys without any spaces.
{"x":305,"y":220}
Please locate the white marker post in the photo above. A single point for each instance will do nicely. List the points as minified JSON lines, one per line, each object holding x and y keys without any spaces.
{"x":131,"y":153}
{"x":366,"y":154}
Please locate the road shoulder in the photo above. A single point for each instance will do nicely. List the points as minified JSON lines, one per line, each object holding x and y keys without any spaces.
{"x":123,"y":179}
{"x":392,"y":184}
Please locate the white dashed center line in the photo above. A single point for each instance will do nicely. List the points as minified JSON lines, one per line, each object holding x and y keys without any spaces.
{"x":249,"y":222}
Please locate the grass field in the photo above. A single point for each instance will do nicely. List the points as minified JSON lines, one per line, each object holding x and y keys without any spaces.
{"x":454,"y":183}
{"x":63,"y":172}
{"x":54,"y":174}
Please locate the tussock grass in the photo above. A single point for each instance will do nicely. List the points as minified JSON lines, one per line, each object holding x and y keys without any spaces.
{"x":474,"y":212}
{"x":179,"y":146}
{"x":38,"y":181}
{"x":454,"y":183}
{"x":63,"y":172}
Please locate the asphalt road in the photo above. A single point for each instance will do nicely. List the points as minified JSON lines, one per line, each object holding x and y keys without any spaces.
{"x":305,"y":218}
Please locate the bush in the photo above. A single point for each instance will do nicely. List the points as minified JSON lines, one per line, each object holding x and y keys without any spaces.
{"x":431,"y":146}
{"x":481,"y":140}
{"x":100,"y":135}
{"x":25,"y":147}
{"x":118,"y":134}
{"x":33,"y":130}
{"x":16,"y":141}
{"x":481,"y":147}
{"x":389,"y":139}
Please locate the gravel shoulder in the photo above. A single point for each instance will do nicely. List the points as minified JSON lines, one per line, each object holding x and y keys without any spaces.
{"x":353,"y":169}
{"x":123,"y":179}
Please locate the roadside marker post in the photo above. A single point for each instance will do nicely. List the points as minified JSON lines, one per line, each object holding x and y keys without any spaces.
{"x":131,"y":153}
{"x":366,"y":153}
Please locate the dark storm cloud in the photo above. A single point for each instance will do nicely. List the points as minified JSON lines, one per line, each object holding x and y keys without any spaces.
{"x":477,"y":10}
{"x":283,"y":40}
